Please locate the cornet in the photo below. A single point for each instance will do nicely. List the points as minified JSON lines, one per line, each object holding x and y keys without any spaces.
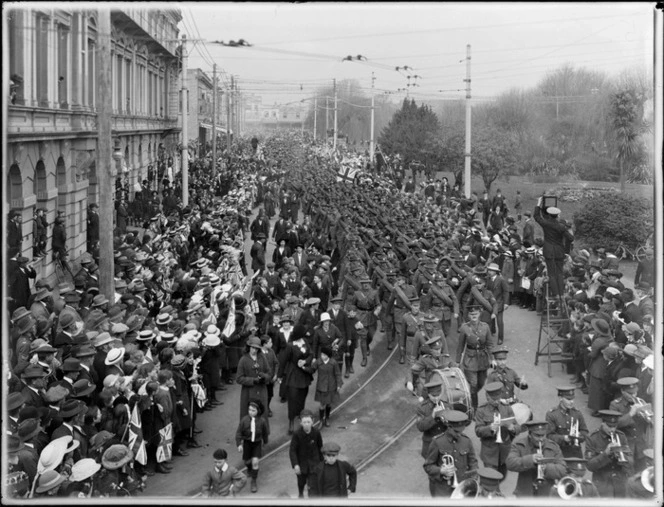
{"x":496,"y":420}
{"x":615,"y":439}
{"x":644,"y":410}
{"x":540,"y":467}
{"x":574,"y":431}
{"x":448,"y":462}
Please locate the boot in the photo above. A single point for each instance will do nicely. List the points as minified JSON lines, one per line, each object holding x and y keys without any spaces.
{"x":254,"y":486}
{"x":347,"y":361}
{"x":321,"y":417}
{"x":161,"y":469}
{"x":290,"y":426}
{"x":328,"y":409}
{"x":402,"y":357}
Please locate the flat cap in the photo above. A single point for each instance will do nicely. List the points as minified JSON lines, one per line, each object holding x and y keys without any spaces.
{"x":331,"y":448}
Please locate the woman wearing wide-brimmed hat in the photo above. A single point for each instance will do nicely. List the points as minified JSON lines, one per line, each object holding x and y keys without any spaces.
{"x":253,"y":373}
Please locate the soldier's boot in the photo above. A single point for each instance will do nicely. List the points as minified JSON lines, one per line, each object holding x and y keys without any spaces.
{"x":328,"y":409}
{"x":321,"y":416}
{"x":402,"y":355}
{"x":291,"y":425}
{"x":254,"y":477}
{"x":347,"y":374}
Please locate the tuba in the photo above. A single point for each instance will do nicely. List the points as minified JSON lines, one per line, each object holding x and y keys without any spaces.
{"x":469,"y":488}
{"x":568,"y":487}
{"x":648,"y":479}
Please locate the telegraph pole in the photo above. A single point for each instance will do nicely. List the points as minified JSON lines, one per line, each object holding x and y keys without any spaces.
{"x":466,"y":175}
{"x":315,"y":114}
{"x":334,"y":141}
{"x":185,"y":134}
{"x":327,"y":117}
{"x":214,"y":120}
{"x":236,"y":111}
{"x":371,"y":145}
{"x":230,"y":114}
{"x":105,"y":169}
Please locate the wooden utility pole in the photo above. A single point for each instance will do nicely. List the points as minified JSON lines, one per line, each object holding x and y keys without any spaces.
{"x":105,"y":162}
{"x":334,"y":141}
{"x":372,"y":145}
{"x":466,"y":186}
{"x":233,"y":98}
{"x":214,"y":121}
{"x":315,"y":114}
{"x":327,"y":117}
{"x":185,"y":134}
{"x":228,"y":118}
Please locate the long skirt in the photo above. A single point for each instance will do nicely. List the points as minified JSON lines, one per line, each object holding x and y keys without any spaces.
{"x":327,"y":397}
{"x":297,"y":396}
{"x":596,"y":394}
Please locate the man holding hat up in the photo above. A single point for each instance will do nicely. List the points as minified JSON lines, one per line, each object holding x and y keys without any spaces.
{"x":567,"y":426}
{"x":450,"y":456}
{"x":609,"y":457}
{"x":538,"y":461}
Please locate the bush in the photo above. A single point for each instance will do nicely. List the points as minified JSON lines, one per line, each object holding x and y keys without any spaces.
{"x":593,"y":167}
{"x":610,"y":218}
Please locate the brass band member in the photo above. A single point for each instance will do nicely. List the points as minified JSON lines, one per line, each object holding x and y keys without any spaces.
{"x":567,"y":427}
{"x":574,"y":485}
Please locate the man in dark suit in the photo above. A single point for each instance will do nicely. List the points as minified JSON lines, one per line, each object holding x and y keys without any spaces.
{"x":555,"y":236}
{"x":93,"y":230}
{"x":14,"y":233}
{"x":305,"y":450}
{"x":280,"y":253}
{"x":279,"y":231}
{"x":34,"y":379}
{"x":260,"y":225}
{"x":501,"y":292}
{"x":19,"y":274}
{"x":257,"y":253}
{"x":631,"y":312}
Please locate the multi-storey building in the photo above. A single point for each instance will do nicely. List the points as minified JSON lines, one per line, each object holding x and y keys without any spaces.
{"x":51,"y":131}
{"x":276,"y":116}
{"x":201,"y":107}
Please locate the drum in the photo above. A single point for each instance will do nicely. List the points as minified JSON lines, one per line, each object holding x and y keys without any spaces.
{"x":522,"y":413}
{"x":455,"y":390}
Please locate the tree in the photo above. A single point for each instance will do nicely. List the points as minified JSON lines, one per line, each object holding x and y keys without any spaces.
{"x":626,"y":118}
{"x":412,"y":132}
{"x":494,"y":151}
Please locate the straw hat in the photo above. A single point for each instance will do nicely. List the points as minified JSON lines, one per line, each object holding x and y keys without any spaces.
{"x":84,"y":469}
{"x":116,"y":456}
{"x":48,"y":481}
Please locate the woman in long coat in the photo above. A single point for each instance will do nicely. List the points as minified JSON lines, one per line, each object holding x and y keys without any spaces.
{"x":597,"y":369}
{"x":295,"y":371}
{"x":253,"y":373}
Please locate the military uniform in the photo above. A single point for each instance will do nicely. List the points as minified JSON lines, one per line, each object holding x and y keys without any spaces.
{"x":509,"y":378}
{"x":366,"y":301}
{"x":411,"y":325}
{"x":474,"y":355}
{"x":576,"y":469}
{"x":429,"y":425}
{"x":609,"y":474}
{"x":399,"y":310}
{"x":560,"y":422}
{"x":637,"y":430}
{"x":493,"y":454}
{"x":433,"y":304}
{"x":460,"y":447}
{"x":386,"y":317}
{"x":520,"y":459}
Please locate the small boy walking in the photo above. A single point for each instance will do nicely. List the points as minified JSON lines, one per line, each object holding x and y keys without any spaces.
{"x":252,"y":432}
{"x":328,"y":385}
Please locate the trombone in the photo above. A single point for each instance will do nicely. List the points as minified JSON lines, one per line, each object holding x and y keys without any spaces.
{"x":574,"y":431}
{"x":448,"y":462}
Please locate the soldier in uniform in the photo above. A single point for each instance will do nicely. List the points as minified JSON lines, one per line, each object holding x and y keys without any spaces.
{"x":561,"y":420}
{"x":538,"y":461}
{"x":384,"y":295}
{"x":368,"y":306}
{"x":399,"y":308}
{"x":576,"y":469}
{"x":450,"y":456}
{"x":633,"y":422}
{"x":642,"y":484}
{"x":433,"y":355}
{"x":489,"y":483}
{"x":429,"y":415}
{"x":609,"y":457}
{"x":431,"y":303}
{"x":494,"y":453}
{"x":505,"y":375}
{"x":412,"y":323}
{"x":474,"y":352}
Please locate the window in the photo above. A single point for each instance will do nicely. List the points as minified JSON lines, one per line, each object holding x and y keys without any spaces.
{"x":41,"y":59}
{"x":16,"y":49}
{"x":128,"y":95}
{"x":91,"y":65}
{"x":63,"y":65}
{"x":119,"y":104}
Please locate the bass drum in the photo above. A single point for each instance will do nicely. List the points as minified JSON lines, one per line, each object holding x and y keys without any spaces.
{"x":522,"y":413}
{"x":455,"y":390}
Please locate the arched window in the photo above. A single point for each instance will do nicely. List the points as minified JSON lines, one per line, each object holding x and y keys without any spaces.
{"x":15,"y":186}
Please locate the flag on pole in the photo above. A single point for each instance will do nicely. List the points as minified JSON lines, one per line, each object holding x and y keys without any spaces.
{"x":347,"y":172}
{"x":229,"y":327}
{"x":199,"y":394}
{"x":165,"y":448}
{"x":136,"y":441}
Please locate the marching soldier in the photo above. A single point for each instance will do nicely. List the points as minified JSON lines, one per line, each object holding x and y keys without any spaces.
{"x":399,"y":308}
{"x":444,"y":310}
{"x":490,"y":419}
{"x":609,"y":457}
{"x":412,"y":323}
{"x":474,"y":352}
{"x":451,"y":457}
{"x":538,"y":461}
{"x":384,"y":295}
{"x":507,"y":376}
{"x":489,"y":483}
{"x":368,"y":306}
{"x":567,"y":427}
{"x":430,"y":415}
{"x":635,"y":421}
{"x":576,"y":470}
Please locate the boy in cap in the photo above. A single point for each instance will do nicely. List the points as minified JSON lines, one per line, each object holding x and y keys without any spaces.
{"x":223,"y":479}
{"x":333,"y":477}
{"x":305,"y":450}
{"x":538,"y":461}
{"x":443,"y":471}
{"x":576,"y":469}
{"x":506,"y":376}
{"x":491,"y":418}
{"x":609,"y":457}
{"x":567,"y":426}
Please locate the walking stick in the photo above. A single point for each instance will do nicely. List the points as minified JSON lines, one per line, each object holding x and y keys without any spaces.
{"x":191,"y":412}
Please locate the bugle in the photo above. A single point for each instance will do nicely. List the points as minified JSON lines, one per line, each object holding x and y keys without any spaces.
{"x":574,"y":431}
{"x":469,"y":488}
{"x":615,"y":440}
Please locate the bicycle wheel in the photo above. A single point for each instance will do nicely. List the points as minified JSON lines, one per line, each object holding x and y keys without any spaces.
{"x":621,"y":252}
{"x":640,"y":253}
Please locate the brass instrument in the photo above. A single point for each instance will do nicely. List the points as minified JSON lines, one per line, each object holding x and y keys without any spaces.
{"x":574,"y":431}
{"x":448,"y":462}
{"x":644,"y":409}
{"x":648,"y":479}
{"x":496,"y":420}
{"x":540,"y":467}
{"x":469,"y":488}
{"x":615,"y":440}
{"x":568,"y":487}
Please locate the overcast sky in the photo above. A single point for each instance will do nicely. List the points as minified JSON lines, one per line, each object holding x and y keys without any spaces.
{"x":513,"y":45}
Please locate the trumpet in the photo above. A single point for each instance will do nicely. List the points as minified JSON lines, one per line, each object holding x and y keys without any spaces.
{"x":574,"y":431}
{"x":540,"y":467}
{"x":448,"y":462}
{"x":496,"y":420}
{"x":615,"y":439}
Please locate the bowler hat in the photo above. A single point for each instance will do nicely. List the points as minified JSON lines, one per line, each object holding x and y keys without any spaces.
{"x":601,"y":326}
{"x":72,"y":408}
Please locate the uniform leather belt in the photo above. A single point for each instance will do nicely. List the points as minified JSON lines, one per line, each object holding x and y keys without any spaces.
{"x":410,"y":334}
{"x":475,"y":348}
{"x":363,"y":309}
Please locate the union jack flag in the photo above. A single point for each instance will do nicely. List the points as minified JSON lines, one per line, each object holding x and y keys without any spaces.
{"x":165,"y":449}
{"x":229,"y":327}
{"x":136,"y":442}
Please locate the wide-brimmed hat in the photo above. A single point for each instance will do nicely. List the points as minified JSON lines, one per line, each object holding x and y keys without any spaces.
{"x":211,"y":340}
{"x":99,"y":300}
{"x":116,"y":456}
{"x":178,"y":360}
{"x":15,"y":400}
{"x":41,"y":294}
{"x":84,"y":469}
{"x":493,"y":267}
{"x":145,"y":335}
{"x":100,"y":439}
{"x":601,"y":326}
{"x":82,"y":388}
{"x":72,"y":408}
{"x":114,"y":356}
{"x":102,"y":339}
{"x":48,"y":480}
{"x":254,"y":341}
{"x":163,"y":319}
{"x":33,"y":371}
{"x":41,"y":345}
{"x":71,"y":364}
{"x":28,"y":429}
